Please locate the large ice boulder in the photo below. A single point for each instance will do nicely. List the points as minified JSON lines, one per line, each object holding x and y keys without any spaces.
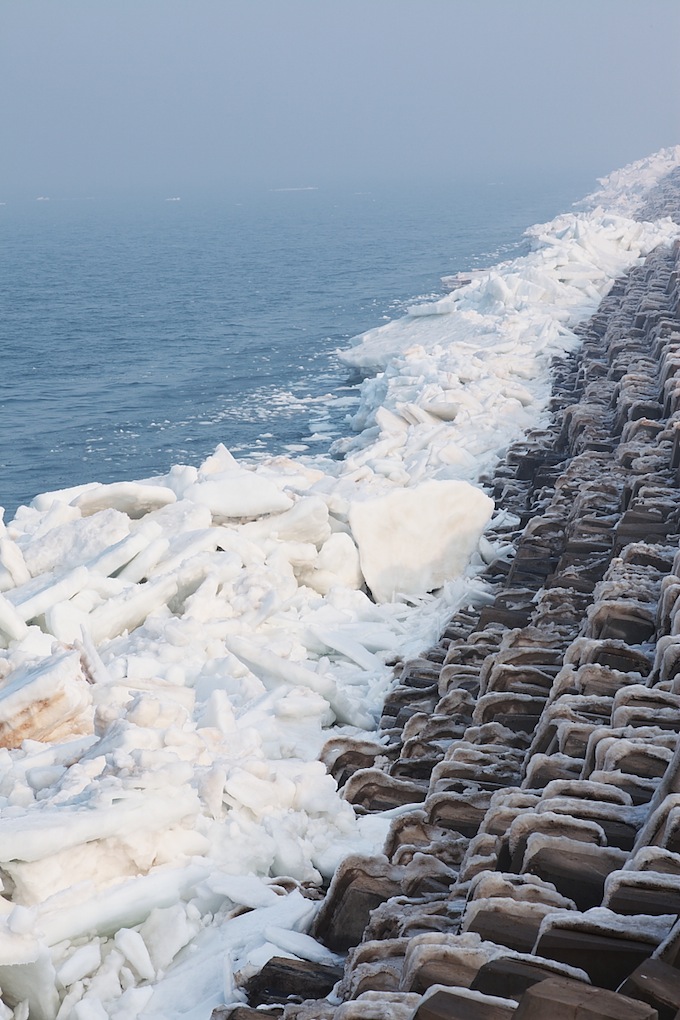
{"x":413,"y":540}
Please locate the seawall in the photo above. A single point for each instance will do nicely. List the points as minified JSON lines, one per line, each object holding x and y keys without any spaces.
{"x":531,"y":757}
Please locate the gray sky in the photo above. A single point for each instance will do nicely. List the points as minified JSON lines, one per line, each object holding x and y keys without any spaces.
{"x":170,"y":94}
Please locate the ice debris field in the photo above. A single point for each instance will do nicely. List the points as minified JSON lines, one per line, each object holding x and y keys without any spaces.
{"x":174,"y":652}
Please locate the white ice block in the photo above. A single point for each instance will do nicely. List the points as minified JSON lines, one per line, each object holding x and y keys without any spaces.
{"x":12,"y":560}
{"x":123,"y":905}
{"x":54,"y":590}
{"x":34,"y":983}
{"x":12,"y":624}
{"x":141,"y":565}
{"x":337,"y":565}
{"x":305,"y":521}
{"x":273,"y":671}
{"x":238,"y":493}
{"x":48,"y":701}
{"x":132,"y":498}
{"x":121,"y":553}
{"x":413,"y":540}
{"x":130,"y":609}
{"x":35,"y":835}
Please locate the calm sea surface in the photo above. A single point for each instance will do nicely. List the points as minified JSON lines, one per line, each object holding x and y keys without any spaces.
{"x":136,"y":335}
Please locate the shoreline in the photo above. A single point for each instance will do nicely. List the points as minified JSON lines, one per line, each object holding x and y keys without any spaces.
{"x":178,"y":651}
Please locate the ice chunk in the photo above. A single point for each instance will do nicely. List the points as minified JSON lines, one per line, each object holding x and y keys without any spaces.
{"x":337,"y":564}
{"x":81,"y":963}
{"x":273,"y":670}
{"x":63,"y":542}
{"x":305,"y":521}
{"x":166,"y":931}
{"x":122,"y":905}
{"x":48,"y":592}
{"x":238,"y":493}
{"x":12,"y":624}
{"x":413,"y":540}
{"x":199,"y":981}
{"x":12,"y":560}
{"x":111,"y":559}
{"x":131,"y":498}
{"x":133,"y":948}
{"x":300,"y":945}
{"x":89,"y":1008}
{"x":34,"y":983}
{"x":129,"y":609}
{"x":50,"y":701}
{"x":141,"y":565}
{"x":34,"y":835}
{"x":248,"y":890}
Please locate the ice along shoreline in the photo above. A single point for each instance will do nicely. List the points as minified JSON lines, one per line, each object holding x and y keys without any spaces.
{"x":532,"y":762}
{"x":178,"y":649}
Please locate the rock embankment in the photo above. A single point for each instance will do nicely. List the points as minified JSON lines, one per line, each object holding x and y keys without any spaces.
{"x":532,"y":765}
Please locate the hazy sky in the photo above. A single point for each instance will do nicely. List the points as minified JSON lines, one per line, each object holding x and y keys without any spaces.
{"x":171,"y":94}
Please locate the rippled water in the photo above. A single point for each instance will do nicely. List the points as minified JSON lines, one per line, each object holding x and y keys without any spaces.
{"x":135,"y":335}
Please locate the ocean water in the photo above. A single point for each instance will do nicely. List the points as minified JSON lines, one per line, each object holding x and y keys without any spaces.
{"x":141,"y":333}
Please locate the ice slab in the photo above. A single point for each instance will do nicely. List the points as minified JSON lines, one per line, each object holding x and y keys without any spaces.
{"x":49,"y":701}
{"x":238,"y":493}
{"x":132,"y":498}
{"x":413,"y":540}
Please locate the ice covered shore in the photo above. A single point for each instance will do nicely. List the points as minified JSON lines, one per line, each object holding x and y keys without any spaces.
{"x":176,"y":651}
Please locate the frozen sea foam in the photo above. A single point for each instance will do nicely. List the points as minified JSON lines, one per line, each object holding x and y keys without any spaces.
{"x":175,"y":651}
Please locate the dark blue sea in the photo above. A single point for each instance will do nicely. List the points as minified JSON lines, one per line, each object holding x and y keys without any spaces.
{"x":139,"y":333}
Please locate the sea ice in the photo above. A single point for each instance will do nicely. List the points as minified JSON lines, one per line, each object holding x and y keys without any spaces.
{"x":174,"y":652}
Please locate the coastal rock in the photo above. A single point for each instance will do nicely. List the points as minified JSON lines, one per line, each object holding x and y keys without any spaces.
{"x":562,"y":999}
